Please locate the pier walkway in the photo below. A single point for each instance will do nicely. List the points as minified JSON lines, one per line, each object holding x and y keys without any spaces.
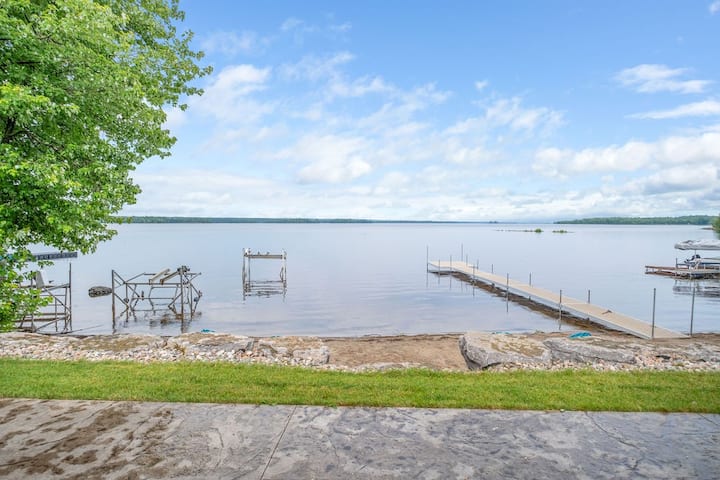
{"x":683,"y":271}
{"x":594,"y":313}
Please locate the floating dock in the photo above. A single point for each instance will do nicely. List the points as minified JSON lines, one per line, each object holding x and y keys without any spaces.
{"x":597,"y":314}
{"x":54,"y":255}
{"x":683,"y":271}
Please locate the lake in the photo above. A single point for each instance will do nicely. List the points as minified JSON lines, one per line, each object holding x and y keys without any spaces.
{"x":371,"y":279}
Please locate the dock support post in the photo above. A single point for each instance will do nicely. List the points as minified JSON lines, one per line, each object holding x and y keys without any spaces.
{"x":588,"y":295}
{"x":492,"y":268}
{"x":507,"y":292}
{"x":692,"y":309}
{"x":560,"y":312}
{"x":652,"y":333}
{"x":530,"y":284}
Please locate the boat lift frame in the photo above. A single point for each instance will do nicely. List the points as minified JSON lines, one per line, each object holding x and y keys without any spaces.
{"x":263,"y":287}
{"x":172,"y":289}
{"x":57,"y":313}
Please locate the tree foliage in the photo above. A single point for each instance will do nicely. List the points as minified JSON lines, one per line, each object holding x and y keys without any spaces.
{"x":83,"y":84}
{"x":716,"y":224}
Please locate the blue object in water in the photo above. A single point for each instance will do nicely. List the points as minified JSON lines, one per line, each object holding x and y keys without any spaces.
{"x":207,"y":330}
{"x":580,"y":335}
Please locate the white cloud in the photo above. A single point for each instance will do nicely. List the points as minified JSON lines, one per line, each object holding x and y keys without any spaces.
{"x":392,"y":183}
{"x":233,"y":43}
{"x":226,"y":96}
{"x":359,"y":87}
{"x":426,"y":95}
{"x":653,"y":78}
{"x":341,"y":28}
{"x":175,"y":118}
{"x":313,"y":68}
{"x":697,"y":109}
{"x":678,"y":179}
{"x":714,"y":7}
{"x":508,"y":112}
{"x":480,"y":85}
{"x":329,"y":158}
{"x":201,"y":192}
{"x":632,"y":156}
{"x":291,"y":23}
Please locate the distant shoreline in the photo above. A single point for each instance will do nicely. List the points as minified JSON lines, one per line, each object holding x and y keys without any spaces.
{"x":700,"y":220}
{"x":148,"y":219}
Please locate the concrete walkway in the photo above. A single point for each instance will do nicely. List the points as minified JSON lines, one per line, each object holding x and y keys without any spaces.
{"x":113,"y":440}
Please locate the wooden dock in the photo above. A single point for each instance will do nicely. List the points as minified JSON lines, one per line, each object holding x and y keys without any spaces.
{"x":600,"y":315}
{"x":683,"y":271}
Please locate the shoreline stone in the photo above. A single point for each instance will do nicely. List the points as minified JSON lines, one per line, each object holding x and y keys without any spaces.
{"x":481,"y":351}
{"x":485,"y":350}
{"x":489,"y":351}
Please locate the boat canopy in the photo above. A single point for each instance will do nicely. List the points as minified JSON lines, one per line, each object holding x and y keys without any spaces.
{"x":706,"y":244}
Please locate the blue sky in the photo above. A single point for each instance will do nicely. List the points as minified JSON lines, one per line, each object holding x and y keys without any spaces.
{"x":453,"y":110}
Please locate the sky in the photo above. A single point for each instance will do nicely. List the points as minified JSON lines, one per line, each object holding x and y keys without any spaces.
{"x":501,"y":110}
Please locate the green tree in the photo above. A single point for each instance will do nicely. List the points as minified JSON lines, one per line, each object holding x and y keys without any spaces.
{"x":716,"y":224}
{"x":83,"y":84}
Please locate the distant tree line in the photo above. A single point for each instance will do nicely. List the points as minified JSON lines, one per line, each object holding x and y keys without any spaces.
{"x":682,"y":220}
{"x":151,"y":219}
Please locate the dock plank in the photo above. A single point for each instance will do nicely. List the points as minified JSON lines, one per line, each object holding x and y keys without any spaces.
{"x":595,"y":313}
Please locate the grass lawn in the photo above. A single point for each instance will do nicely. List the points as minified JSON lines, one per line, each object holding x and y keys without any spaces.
{"x":259,"y":384}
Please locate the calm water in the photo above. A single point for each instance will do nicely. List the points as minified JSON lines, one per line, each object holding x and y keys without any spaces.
{"x":358,"y":279}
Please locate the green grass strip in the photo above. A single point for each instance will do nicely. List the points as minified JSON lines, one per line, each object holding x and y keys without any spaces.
{"x":257,"y":384}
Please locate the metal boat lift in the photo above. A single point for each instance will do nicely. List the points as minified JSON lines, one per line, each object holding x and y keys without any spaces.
{"x":56,"y":316}
{"x":268,"y":286}
{"x":169,"y":289}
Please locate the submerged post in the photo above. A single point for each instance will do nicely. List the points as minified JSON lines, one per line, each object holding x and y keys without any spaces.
{"x":652,"y":333}
{"x":588,"y":296}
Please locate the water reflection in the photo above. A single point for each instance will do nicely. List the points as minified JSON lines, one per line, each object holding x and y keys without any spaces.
{"x":703,"y":288}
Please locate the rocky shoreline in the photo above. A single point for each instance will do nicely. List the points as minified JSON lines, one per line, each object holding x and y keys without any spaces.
{"x":470,"y":351}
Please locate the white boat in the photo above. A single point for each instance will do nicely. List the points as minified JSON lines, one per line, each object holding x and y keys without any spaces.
{"x":696,"y":261}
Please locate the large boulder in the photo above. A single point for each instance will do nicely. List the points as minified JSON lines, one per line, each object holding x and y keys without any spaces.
{"x":210,"y":341}
{"x":587,"y":351}
{"x":483,"y":350}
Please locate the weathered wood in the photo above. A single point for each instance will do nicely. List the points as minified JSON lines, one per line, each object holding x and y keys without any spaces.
{"x":683,"y":271}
